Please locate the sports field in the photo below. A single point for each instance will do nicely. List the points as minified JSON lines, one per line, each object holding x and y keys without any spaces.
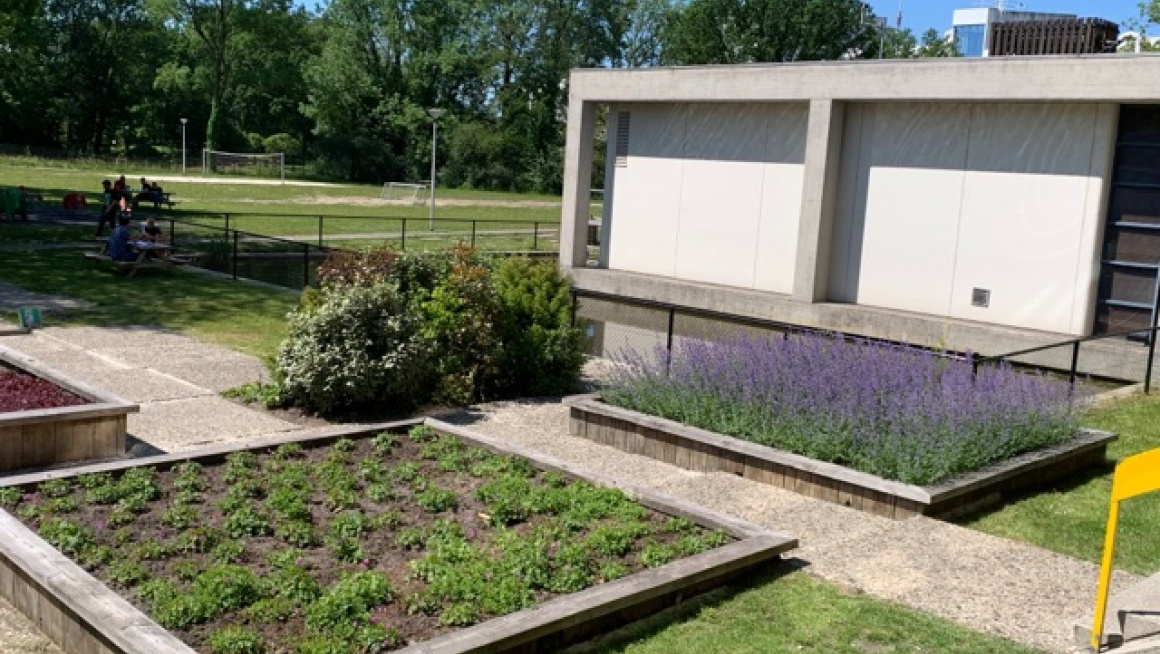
{"x":351,"y":215}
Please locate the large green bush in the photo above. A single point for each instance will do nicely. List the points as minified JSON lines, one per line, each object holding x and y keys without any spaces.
{"x":353,"y":349}
{"x":386,"y":331}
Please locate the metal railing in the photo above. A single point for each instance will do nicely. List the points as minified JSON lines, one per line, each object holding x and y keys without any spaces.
{"x":1149,"y":334}
{"x":492,"y":234}
{"x":648,"y":324}
{"x":239,"y":254}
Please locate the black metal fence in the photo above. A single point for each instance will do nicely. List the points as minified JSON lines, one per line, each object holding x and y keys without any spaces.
{"x":403,"y":233}
{"x":277,"y":261}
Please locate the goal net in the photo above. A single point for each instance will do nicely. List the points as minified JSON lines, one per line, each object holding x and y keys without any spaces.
{"x":268,"y":165}
{"x":403,"y":192}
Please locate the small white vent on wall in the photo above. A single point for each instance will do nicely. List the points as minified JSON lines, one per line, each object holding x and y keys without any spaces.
{"x":623,"y":127}
{"x":981,"y":297}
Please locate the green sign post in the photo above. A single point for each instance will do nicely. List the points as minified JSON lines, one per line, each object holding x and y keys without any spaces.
{"x":30,"y":317}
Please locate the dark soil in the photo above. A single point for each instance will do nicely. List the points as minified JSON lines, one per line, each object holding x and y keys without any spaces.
{"x":23,"y":392}
{"x":380,"y":551}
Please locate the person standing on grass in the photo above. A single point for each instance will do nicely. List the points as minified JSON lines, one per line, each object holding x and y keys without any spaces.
{"x":110,"y":207}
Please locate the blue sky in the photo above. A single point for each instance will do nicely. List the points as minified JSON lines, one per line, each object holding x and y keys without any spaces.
{"x":919,"y":15}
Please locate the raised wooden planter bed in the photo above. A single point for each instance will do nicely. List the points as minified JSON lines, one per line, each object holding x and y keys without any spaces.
{"x":705,"y":451}
{"x":46,"y":437}
{"x":83,"y":616}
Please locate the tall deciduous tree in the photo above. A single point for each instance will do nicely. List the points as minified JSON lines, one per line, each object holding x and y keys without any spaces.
{"x":214,"y":23}
{"x":745,"y":31}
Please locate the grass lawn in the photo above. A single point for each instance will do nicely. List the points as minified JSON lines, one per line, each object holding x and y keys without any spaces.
{"x":32,"y":233}
{"x":1071,"y":518}
{"x":795,"y":613}
{"x":236,"y":315}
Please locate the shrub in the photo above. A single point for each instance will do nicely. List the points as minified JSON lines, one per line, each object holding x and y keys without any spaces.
{"x":404,"y":328}
{"x":356,"y":351}
{"x":542,"y":353}
{"x":236,"y":640}
{"x":894,"y":411}
{"x":348,"y":601}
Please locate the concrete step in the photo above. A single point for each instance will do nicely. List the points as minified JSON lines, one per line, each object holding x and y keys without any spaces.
{"x":1132,"y":616}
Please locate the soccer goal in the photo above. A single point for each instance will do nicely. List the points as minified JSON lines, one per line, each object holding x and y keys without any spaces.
{"x":403,"y":192}
{"x":235,"y":163}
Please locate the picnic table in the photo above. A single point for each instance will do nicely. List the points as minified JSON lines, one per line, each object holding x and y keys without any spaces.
{"x":149,"y":255}
{"x":157,"y":199}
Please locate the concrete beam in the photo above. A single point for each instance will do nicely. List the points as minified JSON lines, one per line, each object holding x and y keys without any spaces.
{"x":819,"y":197}
{"x":1096,"y":78}
{"x":577,"y":183}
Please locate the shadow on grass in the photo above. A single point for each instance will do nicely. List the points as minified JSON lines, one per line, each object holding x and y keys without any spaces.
{"x":686,"y":611}
{"x":1068,"y":484}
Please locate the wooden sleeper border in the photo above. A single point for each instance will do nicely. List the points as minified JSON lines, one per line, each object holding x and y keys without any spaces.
{"x":83,"y":616}
{"x":45,"y":437}
{"x":705,"y":451}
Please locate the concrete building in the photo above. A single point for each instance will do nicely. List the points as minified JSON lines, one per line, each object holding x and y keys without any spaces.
{"x":972,"y":27}
{"x":985,"y":204}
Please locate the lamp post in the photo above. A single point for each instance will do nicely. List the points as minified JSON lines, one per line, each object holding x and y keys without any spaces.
{"x":183,"y":122}
{"x":435,"y":113}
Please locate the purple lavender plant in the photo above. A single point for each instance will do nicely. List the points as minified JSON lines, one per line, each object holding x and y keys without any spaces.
{"x":896,"y":411}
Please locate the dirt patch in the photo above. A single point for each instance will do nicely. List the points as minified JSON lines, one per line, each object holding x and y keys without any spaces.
{"x":383,"y":541}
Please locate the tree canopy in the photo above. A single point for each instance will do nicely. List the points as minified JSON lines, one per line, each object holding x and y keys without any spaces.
{"x":347,"y":88}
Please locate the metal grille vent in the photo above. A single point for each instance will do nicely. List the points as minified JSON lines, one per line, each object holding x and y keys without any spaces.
{"x":981,"y":297}
{"x":623,"y":127}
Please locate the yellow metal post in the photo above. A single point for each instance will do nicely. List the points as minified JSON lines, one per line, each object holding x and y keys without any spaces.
{"x":1105,"y":576}
{"x":1135,"y":475}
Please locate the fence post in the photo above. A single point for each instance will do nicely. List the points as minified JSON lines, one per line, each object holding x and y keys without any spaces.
{"x":1151,"y":356}
{"x":574,"y":302}
{"x":305,"y":265}
{"x":535,"y":235}
{"x":1074,"y":363}
{"x":403,"y":245}
{"x":669,"y":341}
{"x":974,"y":368}
{"x":172,"y":231}
{"x":320,"y":231}
{"x":473,"y":233}
{"x":227,"y":223}
{"x":234,"y":263}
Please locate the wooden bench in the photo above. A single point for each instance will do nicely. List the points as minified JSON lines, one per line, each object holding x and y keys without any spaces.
{"x":143,"y":260}
{"x":166,"y":199}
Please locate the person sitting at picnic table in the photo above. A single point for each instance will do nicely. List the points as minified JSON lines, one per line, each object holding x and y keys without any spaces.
{"x":120,"y":185}
{"x":151,"y":232}
{"x":119,"y":249}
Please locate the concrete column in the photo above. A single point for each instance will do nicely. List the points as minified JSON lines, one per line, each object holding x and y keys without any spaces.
{"x":577,"y":183}
{"x":819,"y":199}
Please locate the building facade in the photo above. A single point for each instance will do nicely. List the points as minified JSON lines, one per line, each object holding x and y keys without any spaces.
{"x":972,"y":27}
{"x":974,"y":204}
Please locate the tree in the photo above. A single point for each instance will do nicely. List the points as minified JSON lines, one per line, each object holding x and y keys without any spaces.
{"x":23,"y":102}
{"x":214,"y":24}
{"x":746,"y":31}
{"x":935,"y":45}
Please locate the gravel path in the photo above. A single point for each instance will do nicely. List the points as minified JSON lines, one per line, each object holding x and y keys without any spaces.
{"x":989,"y":584}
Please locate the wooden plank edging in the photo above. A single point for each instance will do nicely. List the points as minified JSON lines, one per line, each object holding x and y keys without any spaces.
{"x":115,"y":625}
{"x":827,"y":481}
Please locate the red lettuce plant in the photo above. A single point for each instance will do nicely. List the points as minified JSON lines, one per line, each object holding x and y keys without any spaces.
{"x":21,"y":392}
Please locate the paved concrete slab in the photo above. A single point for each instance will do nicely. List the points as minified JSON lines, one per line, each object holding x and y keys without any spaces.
{"x":75,"y":362}
{"x":142,"y":385}
{"x":214,"y":375}
{"x":97,"y":337}
{"x":187,"y":424}
{"x":1132,"y":614}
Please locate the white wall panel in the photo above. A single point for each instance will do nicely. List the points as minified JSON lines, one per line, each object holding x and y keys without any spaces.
{"x":937,"y":200}
{"x":721,"y":201}
{"x":900,"y":220}
{"x":711,"y":192}
{"x":1024,"y":211}
{"x":646,"y":200}
{"x":781,"y":198}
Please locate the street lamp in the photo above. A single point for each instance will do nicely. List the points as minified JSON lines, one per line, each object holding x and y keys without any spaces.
{"x":435,"y":113}
{"x":183,"y":122}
